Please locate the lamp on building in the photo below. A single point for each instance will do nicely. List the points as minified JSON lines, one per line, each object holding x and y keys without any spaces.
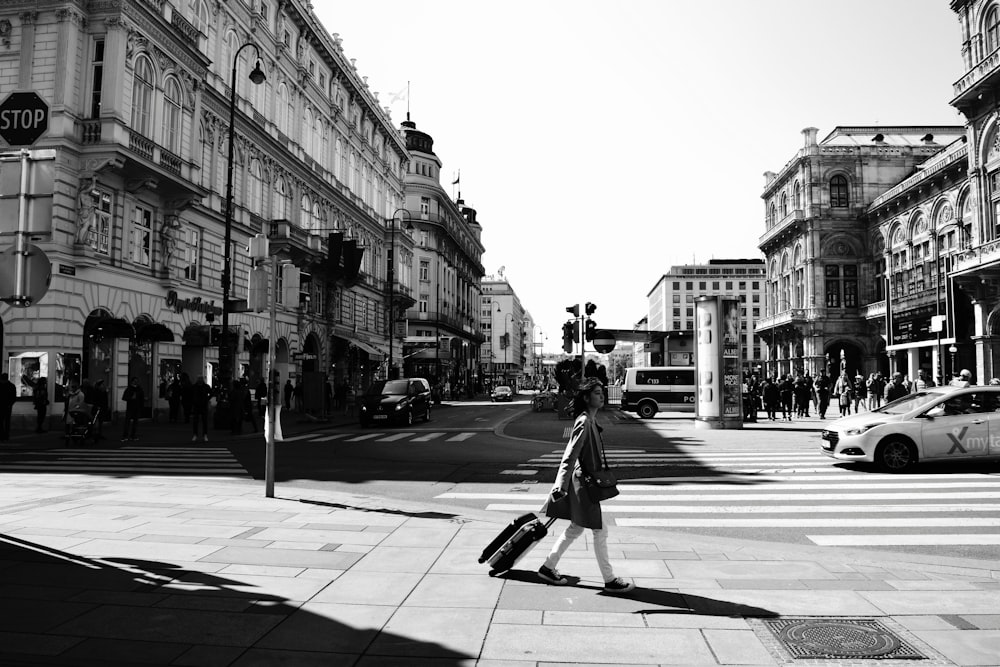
{"x":953,"y":351}
{"x":391,"y":277}
{"x":222,"y":413}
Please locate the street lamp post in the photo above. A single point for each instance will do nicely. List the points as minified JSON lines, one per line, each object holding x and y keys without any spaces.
{"x":225,"y":343}
{"x":953,"y":350}
{"x":391,"y":273}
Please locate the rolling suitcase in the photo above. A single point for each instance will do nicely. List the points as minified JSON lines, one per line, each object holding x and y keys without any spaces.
{"x":513,"y":542}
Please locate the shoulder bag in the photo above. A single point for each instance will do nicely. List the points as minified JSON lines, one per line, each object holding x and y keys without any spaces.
{"x":600,"y":484}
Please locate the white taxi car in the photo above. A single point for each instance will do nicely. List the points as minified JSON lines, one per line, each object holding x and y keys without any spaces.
{"x":942,"y":423}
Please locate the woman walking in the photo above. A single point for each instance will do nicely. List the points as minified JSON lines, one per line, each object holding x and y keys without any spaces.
{"x":568,"y":498}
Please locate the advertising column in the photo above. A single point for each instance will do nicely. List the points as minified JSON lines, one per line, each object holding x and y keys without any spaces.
{"x":717,"y":363}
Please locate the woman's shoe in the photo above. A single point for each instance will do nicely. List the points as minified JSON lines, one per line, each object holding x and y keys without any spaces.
{"x":551,"y":576}
{"x":618,"y":585}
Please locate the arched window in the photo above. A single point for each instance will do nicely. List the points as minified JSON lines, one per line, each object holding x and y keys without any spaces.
{"x":992,"y":30}
{"x":342,"y":172}
{"x":797,"y":196}
{"x":772,"y":216}
{"x":784,"y":205}
{"x":281,"y":108}
{"x":838,"y":191}
{"x":198,"y":13}
{"x":172,"y":116}
{"x":205,"y":140}
{"x":307,"y":131}
{"x":306,"y":216}
{"x":255,"y":199}
{"x":142,"y":96}
{"x":280,"y":205}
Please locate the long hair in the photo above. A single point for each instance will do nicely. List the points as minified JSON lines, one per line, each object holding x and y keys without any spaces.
{"x":580,"y":398}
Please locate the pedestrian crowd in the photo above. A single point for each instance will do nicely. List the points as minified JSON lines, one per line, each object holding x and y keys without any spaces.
{"x":801,"y":395}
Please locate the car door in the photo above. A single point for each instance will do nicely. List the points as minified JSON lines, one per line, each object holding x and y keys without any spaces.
{"x":418,"y":398}
{"x":960,"y":427}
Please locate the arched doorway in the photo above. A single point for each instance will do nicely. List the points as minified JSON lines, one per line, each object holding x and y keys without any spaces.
{"x":100,"y":330}
{"x":844,"y":356}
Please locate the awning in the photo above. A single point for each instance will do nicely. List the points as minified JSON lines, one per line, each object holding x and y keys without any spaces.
{"x":154,"y":331}
{"x":432,"y":354}
{"x":110,"y":327}
{"x":367,"y":347}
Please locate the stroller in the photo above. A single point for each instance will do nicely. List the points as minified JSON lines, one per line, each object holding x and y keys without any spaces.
{"x":82,"y":428}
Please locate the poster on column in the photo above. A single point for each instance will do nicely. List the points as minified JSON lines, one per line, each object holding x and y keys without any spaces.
{"x":708,"y":356}
{"x":732,"y":398}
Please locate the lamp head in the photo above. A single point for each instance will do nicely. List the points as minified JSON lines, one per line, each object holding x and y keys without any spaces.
{"x":257,"y":75}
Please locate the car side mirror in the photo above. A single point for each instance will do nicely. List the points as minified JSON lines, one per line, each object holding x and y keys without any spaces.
{"x":937,"y":411}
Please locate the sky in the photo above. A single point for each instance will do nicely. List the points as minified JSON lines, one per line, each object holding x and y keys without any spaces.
{"x":602,"y":143}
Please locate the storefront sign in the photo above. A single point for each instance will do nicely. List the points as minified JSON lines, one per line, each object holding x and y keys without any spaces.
{"x":911,"y":329}
{"x":195,"y":304}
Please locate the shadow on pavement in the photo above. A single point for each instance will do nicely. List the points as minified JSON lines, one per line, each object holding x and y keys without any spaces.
{"x":665,"y":602}
{"x":380,"y":510}
{"x":61,"y":609}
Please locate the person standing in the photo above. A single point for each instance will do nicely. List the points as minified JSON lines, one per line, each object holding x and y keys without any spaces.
{"x":860,"y":393}
{"x":822,"y":394}
{"x":289,"y":390}
{"x":174,"y":399}
{"x":297,"y":395}
{"x":896,"y":388}
{"x":201,"y":393}
{"x":135,"y":399}
{"x":40,"y":398}
{"x":772,"y":397}
{"x":100,"y":407}
{"x":923,"y":381}
{"x":568,"y":498}
{"x":8,"y":396}
{"x":261,"y":396}
{"x":787,"y":390}
{"x":801,"y":390}
{"x":844,"y":390}
{"x":186,"y":397}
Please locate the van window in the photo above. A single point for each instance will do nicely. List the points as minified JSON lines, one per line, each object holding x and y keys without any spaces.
{"x":663,"y":378}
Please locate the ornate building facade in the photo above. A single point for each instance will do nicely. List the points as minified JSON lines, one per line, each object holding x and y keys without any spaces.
{"x":442,"y":328}
{"x":139,"y":94}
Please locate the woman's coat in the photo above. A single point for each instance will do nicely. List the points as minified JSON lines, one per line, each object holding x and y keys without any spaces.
{"x":583,"y":452}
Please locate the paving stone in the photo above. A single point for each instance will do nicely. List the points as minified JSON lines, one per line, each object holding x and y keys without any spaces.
{"x":895,"y":603}
{"x":124,"y":651}
{"x":455,"y":590}
{"x":30,"y":616}
{"x":337,"y":560}
{"x":440,"y":633}
{"x":273,"y":658}
{"x":518,"y":616}
{"x":330,"y":628}
{"x":252,"y":586}
{"x":208,"y":656}
{"x":406,"y":536}
{"x":460,"y":561}
{"x":984,"y":621}
{"x":965,"y":647}
{"x":398,"y":559}
{"x":763,"y":584}
{"x":923,"y":622}
{"x":750,"y":570}
{"x":597,"y":645}
{"x":379,"y":588}
{"x":668,"y":620}
{"x":145,"y":550}
{"x":931,"y":585}
{"x":761,"y":603}
{"x":161,"y":624}
{"x":593,"y":619}
{"x":737,"y":647}
{"x":847,"y":585}
{"x":35,"y":644}
{"x":265,"y":570}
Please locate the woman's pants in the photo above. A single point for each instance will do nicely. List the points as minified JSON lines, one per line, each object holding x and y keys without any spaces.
{"x":574,"y":531}
{"x":42,"y":411}
{"x":200,"y":418}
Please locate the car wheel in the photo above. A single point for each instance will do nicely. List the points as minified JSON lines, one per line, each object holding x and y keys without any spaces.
{"x":409,"y":418}
{"x":646,"y":410}
{"x":895,"y":455}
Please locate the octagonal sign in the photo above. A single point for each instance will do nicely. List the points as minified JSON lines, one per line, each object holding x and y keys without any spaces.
{"x":24,"y":117}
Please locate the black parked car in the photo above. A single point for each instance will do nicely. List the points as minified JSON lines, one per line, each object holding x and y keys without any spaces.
{"x":396,"y":401}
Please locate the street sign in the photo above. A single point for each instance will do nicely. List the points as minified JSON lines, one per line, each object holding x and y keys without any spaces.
{"x":604,"y":341}
{"x":24,"y":117}
{"x":36,"y":271}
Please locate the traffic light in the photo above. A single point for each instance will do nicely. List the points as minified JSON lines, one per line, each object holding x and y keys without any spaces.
{"x":568,"y":336}
{"x":590,"y":329}
{"x":575,"y":309}
{"x":589,"y":309}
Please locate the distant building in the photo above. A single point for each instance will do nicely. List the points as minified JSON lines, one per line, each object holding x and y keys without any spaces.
{"x":502,"y":322}
{"x":671,"y":306}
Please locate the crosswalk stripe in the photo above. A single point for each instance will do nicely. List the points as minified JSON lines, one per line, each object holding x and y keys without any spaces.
{"x":428,"y":437}
{"x":395,"y":436}
{"x":367,"y":436}
{"x":882,"y":539}
{"x":461,"y":437}
{"x":327,"y":438}
{"x":608,"y":506}
{"x":293,"y":438}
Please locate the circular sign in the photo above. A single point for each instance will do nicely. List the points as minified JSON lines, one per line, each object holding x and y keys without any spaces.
{"x":36,"y":269}
{"x":24,"y":117}
{"x":604,"y":341}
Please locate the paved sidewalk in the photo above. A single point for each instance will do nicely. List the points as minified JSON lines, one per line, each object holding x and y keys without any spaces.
{"x":174,"y":571}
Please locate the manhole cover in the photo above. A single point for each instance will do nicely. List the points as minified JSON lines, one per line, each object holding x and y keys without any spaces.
{"x":840,"y":638}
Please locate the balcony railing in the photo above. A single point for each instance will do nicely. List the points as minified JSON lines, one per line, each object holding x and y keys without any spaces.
{"x":786,"y":223}
{"x":90,"y":132}
{"x":185,"y":27}
{"x":985,"y":67}
{"x":141,"y":144}
{"x":978,"y":256}
{"x":873,"y":310}
{"x":170,"y":162}
{"x":790,"y":316}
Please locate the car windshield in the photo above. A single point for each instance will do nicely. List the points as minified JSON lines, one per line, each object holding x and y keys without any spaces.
{"x":393,"y":387}
{"x":909,"y":403}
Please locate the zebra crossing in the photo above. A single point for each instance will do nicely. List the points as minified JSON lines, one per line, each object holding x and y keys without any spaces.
{"x":779,"y":490}
{"x":203,"y":462}
{"x":322,"y":437}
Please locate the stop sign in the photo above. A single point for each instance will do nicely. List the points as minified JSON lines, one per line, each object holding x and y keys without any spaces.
{"x":24,"y":117}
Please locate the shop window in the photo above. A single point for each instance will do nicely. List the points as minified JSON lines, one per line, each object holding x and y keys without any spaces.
{"x":191,"y":256}
{"x":141,"y":236}
{"x":26,"y":369}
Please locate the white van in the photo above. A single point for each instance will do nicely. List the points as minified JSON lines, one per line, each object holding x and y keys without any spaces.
{"x":647,"y":391}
